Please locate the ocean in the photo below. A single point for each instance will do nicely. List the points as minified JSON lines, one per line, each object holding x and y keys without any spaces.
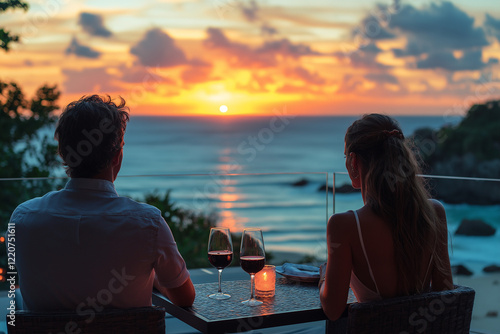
{"x":244,"y":170}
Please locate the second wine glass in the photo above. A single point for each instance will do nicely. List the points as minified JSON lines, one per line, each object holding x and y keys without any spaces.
{"x":252,"y":258}
{"x":220,"y":254}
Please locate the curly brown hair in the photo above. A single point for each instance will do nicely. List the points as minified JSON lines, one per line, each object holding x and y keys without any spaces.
{"x":90,"y":132}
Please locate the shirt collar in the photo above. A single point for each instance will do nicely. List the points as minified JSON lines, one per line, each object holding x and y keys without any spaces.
{"x":91,"y":184}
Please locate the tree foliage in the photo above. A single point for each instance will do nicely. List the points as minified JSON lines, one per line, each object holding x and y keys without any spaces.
{"x":25,"y":150}
{"x":5,"y":36}
{"x":476,"y":135}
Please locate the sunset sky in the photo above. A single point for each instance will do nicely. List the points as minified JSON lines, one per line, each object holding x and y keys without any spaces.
{"x":309,"y":57}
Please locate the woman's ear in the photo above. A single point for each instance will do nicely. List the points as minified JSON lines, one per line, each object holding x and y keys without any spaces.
{"x":354,"y":162}
{"x":354,"y":171}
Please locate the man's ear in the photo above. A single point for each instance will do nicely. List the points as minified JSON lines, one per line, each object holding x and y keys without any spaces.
{"x":116,"y":158}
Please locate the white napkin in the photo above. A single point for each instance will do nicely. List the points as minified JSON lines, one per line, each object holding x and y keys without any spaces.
{"x":302,"y":270}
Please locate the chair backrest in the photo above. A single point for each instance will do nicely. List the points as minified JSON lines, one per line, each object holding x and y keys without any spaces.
{"x":440,"y":312}
{"x":150,"y":320}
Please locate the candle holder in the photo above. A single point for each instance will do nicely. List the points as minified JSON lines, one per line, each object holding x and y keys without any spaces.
{"x":265,"y":282}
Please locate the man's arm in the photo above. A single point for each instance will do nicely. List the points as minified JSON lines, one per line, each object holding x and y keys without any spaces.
{"x":170,"y":269}
{"x":182,"y":296}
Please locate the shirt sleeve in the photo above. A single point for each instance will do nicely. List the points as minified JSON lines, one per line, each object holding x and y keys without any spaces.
{"x":169,"y":266}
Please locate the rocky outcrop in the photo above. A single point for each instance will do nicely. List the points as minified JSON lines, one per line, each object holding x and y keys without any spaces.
{"x":475,"y":227}
{"x":466,"y":191}
{"x":469,"y":149}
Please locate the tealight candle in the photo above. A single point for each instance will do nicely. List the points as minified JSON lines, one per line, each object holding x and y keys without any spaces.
{"x":265,"y":281}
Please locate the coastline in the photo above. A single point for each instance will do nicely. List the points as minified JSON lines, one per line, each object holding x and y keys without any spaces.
{"x":280,"y":257}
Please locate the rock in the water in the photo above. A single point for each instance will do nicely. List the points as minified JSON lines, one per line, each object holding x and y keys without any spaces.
{"x":491,"y":269}
{"x":343,"y":189}
{"x":346,"y":188}
{"x":492,"y":314}
{"x":300,"y":183}
{"x":461,"y":270}
{"x":323,"y":188}
{"x":475,"y":227}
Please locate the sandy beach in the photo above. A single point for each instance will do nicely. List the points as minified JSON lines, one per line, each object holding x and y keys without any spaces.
{"x":486,"y":312}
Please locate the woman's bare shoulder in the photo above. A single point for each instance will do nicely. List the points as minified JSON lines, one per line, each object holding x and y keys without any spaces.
{"x":341,"y":222}
{"x":439,"y":208}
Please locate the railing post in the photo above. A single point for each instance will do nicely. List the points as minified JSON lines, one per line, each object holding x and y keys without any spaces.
{"x":326,"y":192}
{"x":333,"y":192}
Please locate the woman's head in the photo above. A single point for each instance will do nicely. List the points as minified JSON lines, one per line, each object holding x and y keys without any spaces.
{"x":376,"y":149}
{"x":382,"y":164}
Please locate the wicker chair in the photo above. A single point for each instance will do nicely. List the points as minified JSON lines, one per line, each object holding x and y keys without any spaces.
{"x":434,"y":312}
{"x":150,"y":320}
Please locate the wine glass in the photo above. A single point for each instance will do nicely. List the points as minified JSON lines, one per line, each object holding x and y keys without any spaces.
{"x":252,"y":258}
{"x":220,"y":254}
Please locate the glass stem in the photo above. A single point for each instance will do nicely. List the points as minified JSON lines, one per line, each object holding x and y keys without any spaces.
{"x":252,"y":276}
{"x":220,"y":274}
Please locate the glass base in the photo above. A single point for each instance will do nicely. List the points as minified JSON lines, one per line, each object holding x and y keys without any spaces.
{"x":219,"y":296}
{"x":252,"y":302}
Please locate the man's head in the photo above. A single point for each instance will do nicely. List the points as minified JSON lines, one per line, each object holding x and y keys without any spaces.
{"x":90,"y":134}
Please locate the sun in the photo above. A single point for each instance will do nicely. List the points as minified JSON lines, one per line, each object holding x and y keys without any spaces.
{"x":223,"y":108}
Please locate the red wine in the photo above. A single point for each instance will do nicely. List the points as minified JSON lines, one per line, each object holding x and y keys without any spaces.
{"x":220,"y":259}
{"x":252,"y":264}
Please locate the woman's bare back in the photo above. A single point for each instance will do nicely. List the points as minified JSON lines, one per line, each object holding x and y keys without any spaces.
{"x":379,"y":246}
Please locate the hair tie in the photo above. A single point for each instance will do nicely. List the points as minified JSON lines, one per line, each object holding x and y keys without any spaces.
{"x":393,"y":133}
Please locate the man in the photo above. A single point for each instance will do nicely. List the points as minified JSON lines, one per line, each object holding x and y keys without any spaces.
{"x":84,"y":247}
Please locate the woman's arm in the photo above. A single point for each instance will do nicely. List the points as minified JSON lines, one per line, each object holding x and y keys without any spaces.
{"x":334,"y":291}
{"x":441,"y":277}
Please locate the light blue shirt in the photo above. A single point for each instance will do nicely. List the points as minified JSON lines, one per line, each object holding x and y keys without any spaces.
{"x":84,"y":248}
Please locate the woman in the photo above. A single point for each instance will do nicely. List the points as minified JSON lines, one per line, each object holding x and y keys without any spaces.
{"x":396,"y":244}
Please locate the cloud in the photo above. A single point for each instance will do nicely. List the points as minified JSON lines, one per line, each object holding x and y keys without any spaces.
{"x":492,"y":26}
{"x":89,"y":80}
{"x":249,"y":10}
{"x":259,"y":83}
{"x":158,"y":49}
{"x":382,"y":78}
{"x":81,"y":50}
{"x":364,"y":57}
{"x":264,"y":56}
{"x":293,"y":89}
{"x":441,"y":26}
{"x":286,"y":48}
{"x":236,"y":53}
{"x":350,"y":84}
{"x":199,"y":71}
{"x":306,"y":76}
{"x":372,"y":29}
{"x":471,"y":60}
{"x":93,"y":24}
{"x":268,"y":30}
{"x":144,"y":75}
